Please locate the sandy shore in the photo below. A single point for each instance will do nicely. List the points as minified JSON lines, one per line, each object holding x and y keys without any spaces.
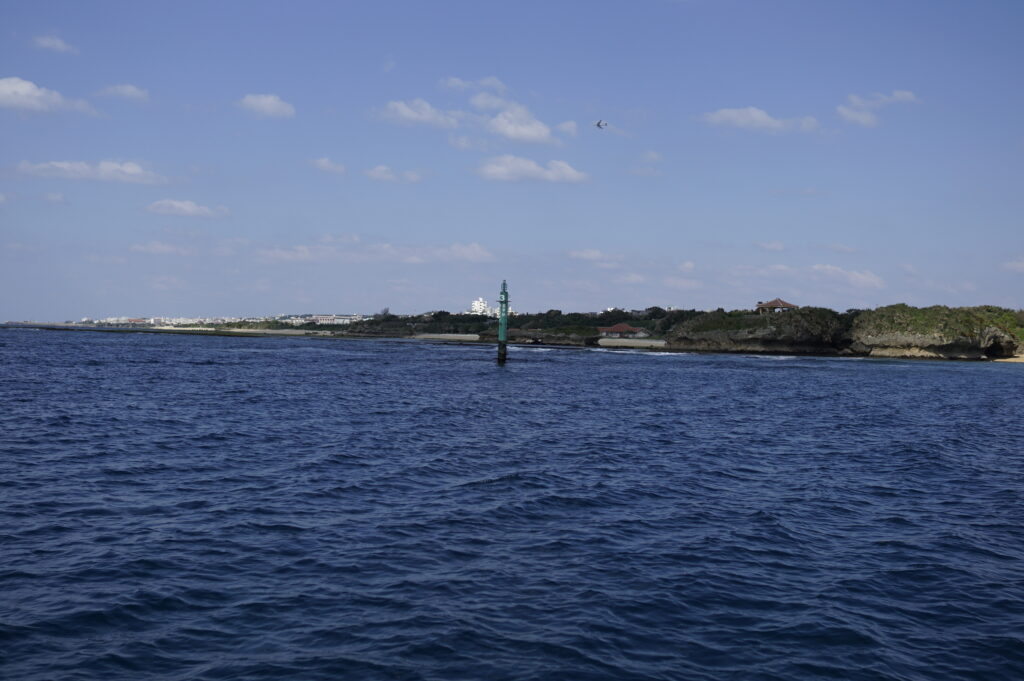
{"x":1018,"y":358}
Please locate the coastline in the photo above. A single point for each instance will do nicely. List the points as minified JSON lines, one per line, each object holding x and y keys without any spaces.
{"x":624,"y":343}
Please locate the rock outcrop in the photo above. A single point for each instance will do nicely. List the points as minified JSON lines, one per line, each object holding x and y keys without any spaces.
{"x":808,"y":330}
{"x":892,"y":331}
{"x":935,"y":332}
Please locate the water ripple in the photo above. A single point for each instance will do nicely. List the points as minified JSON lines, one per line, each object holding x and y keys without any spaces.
{"x":182,"y":507}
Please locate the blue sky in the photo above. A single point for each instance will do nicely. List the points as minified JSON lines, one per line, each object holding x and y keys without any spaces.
{"x":244,"y":158}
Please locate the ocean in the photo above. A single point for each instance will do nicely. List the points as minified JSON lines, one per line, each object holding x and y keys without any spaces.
{"x":194,"y":507}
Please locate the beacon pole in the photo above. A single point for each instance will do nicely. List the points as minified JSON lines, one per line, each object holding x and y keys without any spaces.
{"x":503,"y":324}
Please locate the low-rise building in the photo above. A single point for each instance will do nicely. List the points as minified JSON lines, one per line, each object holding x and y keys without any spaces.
{"x":777,"y":305}
{"x":622,"y":330}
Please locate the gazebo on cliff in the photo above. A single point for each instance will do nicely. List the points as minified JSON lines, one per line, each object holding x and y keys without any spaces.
{"x":777,"y":305}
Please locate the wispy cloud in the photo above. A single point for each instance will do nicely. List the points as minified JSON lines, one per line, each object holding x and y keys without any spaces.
{"x":772,"y":245}
{"x":356,"y":251}
{"x":861,"y":110}
{"x":683,"y":283}
{"x":54,"y":43}
{"x":167,"y":282}
{"x":490,"y":82}
{"x":752,"y":118}
{"x":328,"y":166}
{"x":648,"y":165}
{"x":1015,"y":265}
{"x":383,"y":173}
{"x":420,"y":111}
{"x":510,"y":168}
{"x":630,"y":278}
{"x":591,"y":254}
{"x":267,"y":106}
{"x":160,"y":248}
{"x":107,"y":171}
{"x":17,"y":93}
{"x":862,"y":279}
{"x":568,"y":127}
{"x":185,"y":209}
{"x":125,"y":91}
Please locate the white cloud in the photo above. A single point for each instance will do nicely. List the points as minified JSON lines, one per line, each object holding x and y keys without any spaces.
{"x":185,"y":209}
{"x":682,"y":283}
{"x":160,"y":248}
{"x":752,"y":118}
{"x":328,"y":166}
{"x":355,"y":251}
{"x":493,"y":83}
{"x":17,"y":93}
{"x":109,"y":171}
{"x":647,"y":168}
{"x":1015,"y":265}
{"x":859,"y":116}
{"x":597,"y":258}
{"x":383,"y":173}
{"x":167,"y":282}
{"x":568,"y":127}
{"x":862,"y":279}
{"x":473,"y":252}
{"x":517,"y":123}
{"x":52,"y":42}
{"x":125,"y":91}
{"x":860,"y":110}
{"x":453,"y":83}
{"x":513,"y":120}
{"x":687,"y":266}
{"x":268,"y":106}
{"x":419,"y":111}
{"x":588,"y":254}
{"x":770,"y":271}
{"x":772,"y":245}
{"x":462,"y":142}
{"x":510,"y":168}
{"x":54,"y":197}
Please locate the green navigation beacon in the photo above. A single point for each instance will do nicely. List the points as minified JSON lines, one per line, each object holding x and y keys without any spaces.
{"x":503,"y":323}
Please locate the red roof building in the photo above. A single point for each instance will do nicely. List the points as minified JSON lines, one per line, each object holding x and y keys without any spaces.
{"x":777,"y":305}
{"x":622,"y":330}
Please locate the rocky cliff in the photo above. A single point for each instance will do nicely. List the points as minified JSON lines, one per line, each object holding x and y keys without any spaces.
{"x":983,"y":332}
{"x":893,"y":331}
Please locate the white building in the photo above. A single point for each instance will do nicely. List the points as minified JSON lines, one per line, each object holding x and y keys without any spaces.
{"x":335,"y":319}
{"x":479,"y":306}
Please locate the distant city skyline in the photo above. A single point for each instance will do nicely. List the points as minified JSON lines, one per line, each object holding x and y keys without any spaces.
{"x":199,"y":159}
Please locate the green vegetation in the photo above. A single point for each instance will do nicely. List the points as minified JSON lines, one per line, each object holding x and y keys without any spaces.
{"x":810,"y":326}
{"x":965,"y":322}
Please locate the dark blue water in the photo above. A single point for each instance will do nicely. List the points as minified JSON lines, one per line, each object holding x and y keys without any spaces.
{"x":182,"y":507}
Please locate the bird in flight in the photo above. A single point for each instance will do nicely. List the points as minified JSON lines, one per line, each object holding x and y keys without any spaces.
{"x":601,"y":125}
